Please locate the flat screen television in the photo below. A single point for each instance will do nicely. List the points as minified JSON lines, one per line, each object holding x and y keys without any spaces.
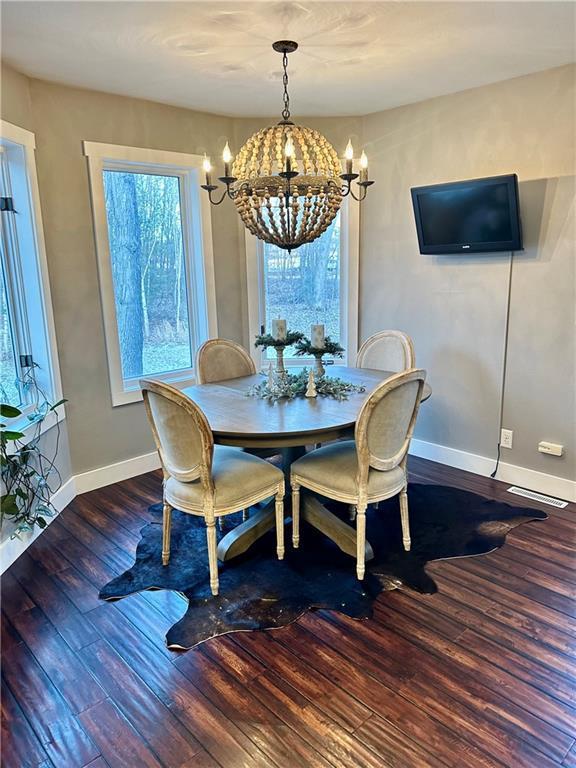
{"x":474,"y":216}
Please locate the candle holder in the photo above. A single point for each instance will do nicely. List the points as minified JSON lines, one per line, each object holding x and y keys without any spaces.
{"x":266,"y":341}
{"x":304,"y":347}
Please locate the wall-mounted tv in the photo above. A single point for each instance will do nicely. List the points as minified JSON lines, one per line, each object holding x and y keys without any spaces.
{"x":475,"y":216}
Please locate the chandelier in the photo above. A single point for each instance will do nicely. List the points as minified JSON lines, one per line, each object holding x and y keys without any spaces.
{"x":287,"y":181}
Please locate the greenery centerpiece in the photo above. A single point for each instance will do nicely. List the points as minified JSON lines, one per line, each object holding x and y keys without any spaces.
{"x":29,"y":473}
{"x":292,"y":385}
{"x":278,"y":341}
{"x":304,"y":347}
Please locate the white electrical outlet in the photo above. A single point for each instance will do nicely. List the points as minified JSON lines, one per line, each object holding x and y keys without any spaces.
{"x":506,"y":436}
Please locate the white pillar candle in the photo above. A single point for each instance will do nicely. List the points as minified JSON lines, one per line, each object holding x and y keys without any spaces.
{"x":279,"y":329}
{"x":317,"y":336}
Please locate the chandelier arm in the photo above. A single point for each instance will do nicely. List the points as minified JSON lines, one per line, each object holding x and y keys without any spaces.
{"x":359,"y":197}
{"x":210,"y":189}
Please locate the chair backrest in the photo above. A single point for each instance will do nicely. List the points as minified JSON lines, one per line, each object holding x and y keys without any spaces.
{"x":386,"y":420}
{"x":387,"y":351}
{"x":220,"y":359}
{"x":181,"y":432}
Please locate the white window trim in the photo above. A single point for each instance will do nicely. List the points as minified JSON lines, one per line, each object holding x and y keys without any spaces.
{"x":199,"y":245}
{"x":39,"y":312}
{"x":349,"y":269}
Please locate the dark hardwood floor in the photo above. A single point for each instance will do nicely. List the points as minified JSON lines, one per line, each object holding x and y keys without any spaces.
{"x":480,"y":674}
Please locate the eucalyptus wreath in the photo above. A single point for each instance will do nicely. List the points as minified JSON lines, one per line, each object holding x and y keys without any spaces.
{"x":304,"y":347}
{"x":29,"y":474}
{"x":266,"y":340}
{"x":292,"y":385}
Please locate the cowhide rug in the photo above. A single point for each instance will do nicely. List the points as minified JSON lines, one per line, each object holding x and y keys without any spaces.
{"x":259,"y":592}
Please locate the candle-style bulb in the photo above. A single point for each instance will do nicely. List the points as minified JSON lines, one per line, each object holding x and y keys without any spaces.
{"x":227,"y":154}
{"x":289,"y":147}
{"x":363,"y":161}
{"x":349,"y":151}
{"x":206,"y":165}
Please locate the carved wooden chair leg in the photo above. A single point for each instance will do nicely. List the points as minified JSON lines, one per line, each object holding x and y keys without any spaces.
{"x":212,"y":556}
{"x":360,"y":540}
{"x":405,"y":521}
{"x":245,"y":515}
{"x":280,"y":523}
{"x":166,"y":527}
{"x":295,"y":515}
{"x":352,"y":512}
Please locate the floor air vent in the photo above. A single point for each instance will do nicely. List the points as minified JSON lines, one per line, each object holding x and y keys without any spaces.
{"x":537,"y":497}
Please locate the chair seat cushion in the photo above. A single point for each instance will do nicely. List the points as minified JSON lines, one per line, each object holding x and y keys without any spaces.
{"x":333,"y":468}
{"x":238,"y":479}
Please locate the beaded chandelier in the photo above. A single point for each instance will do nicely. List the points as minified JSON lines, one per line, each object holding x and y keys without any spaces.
{"x":287,"y":181}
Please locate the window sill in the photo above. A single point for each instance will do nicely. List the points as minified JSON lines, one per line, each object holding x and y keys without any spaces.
{"x":26,"y":426}
{"x":133,"y":394}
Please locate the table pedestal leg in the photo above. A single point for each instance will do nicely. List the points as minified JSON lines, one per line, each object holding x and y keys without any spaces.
{"x":244,"y":535}
{"x":343,"y":535}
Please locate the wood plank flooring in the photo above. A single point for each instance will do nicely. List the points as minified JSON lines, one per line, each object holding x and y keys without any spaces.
{"x":481,"y":674}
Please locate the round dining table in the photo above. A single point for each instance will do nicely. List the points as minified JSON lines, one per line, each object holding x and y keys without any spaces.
{"x":239,"y":419}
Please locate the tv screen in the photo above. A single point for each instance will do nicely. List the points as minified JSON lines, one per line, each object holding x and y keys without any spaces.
{"x":476,"y":216}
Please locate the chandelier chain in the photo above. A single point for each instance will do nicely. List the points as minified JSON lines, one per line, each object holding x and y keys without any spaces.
{"x":286,"y":110}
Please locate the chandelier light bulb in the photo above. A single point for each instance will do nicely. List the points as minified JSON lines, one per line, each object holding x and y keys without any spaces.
{"x":363,"y":167}
{"x":207,"y":168}
{"x":349,"y":155}
{"x":289,"y":153}
{"x":227,"y":157}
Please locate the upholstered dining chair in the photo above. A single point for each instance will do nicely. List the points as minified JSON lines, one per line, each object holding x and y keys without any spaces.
{"x":220,"y":359}
{"x":201,"y":478}
{"x":387,"y":351}
{"x":370,"y":468}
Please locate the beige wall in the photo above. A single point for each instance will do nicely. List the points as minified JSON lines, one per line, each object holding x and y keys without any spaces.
{"x":455,"y":307}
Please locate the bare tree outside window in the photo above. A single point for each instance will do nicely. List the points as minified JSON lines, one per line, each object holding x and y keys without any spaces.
{"x":304,"y":286}
{"x":147,"y":259}
{"x":9,"y":391}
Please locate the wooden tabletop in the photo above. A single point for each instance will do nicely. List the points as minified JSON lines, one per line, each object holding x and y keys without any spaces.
{"x":237,"y":419}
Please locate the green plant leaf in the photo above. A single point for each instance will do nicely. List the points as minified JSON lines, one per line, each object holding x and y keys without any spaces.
{"x":9,"y":434}
{"x":41,"y":522}
{"x":9,"y":411}
{"x":9,"y":505}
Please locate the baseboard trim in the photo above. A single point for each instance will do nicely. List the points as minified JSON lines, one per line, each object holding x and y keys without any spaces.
{"x":114,"y":473}
{"x":11,"y":549}
{"x":551,"y":485}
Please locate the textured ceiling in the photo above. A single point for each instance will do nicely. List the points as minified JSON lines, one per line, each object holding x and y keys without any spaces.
{"x":354,"y":57}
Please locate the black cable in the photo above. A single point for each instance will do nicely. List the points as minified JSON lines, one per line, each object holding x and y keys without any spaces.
{"x":504,"y":363}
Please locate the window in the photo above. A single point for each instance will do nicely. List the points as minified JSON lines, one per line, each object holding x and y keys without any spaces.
{"x":155,"y":259}
{"x":316,"y":283}
{"x":28,"y":358}
{"x":304,"y":286}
